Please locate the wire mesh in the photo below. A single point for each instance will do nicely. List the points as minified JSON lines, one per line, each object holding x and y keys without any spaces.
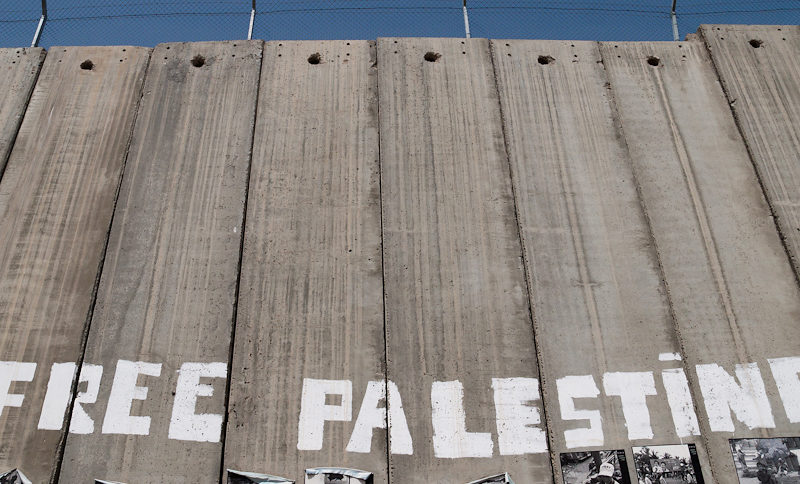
{"x":18,"y":24}
{"x":95,"y":22}
{"x":767,"y":12}
{"x":358,"y":19}
{"x":571,"y":19}
{"x":148,"y":22}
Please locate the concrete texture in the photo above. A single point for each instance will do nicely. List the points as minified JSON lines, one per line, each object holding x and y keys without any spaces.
{"x":533,"y":247}
{"x":732,"y":290}
{"x":18,"y":71}
{"x":760,"y":72}
{"x":310,"y":304}
{"x":56,"y":202}
{"x":168,"y":290}
{"x":598,"y":301}
{"x":456,"y":303}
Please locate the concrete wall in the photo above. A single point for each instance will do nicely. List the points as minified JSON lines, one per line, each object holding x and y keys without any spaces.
{"x":432,"y":259}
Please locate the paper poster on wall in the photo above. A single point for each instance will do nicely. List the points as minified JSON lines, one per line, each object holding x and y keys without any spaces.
{"x":767,"y":461}
{"x":667,"y":464}
{"x":596,"y":467}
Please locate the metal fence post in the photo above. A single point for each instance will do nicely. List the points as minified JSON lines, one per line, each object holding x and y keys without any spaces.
{"x":675,"y":35}
{"x":466,"y":19}
{"x":252,"y":20}
{"x":40,"y":27}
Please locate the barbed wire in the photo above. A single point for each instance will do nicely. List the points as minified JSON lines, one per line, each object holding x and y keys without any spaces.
{"x":114,"y":22}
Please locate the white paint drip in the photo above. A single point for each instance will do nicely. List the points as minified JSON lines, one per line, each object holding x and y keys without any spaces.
{"x":124,"y":391}
{"x":314,"y":411}
{"x":450,"y":437}
{"x":185,"y":424}
{"x":13,"y":371}
{"x":372,"y":417}
{"x":722,"y":394}
{"x":786,"y":372}
{"x":633,"y":389}
{"x":679,"y":398}
{"x":517,"y":417}
{"x":581,"y":386}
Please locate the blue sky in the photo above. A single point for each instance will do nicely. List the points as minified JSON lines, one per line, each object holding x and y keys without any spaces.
{"x":148,"y":22}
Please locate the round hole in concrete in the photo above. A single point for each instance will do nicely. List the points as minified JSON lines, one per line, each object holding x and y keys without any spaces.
{"x":654,"y":61}
{"x":198,"y":61}
{"x":755,"y":43}
{"x":432,"y":56}
{"x":87,"y":65}
{"x":545,"y":59}
{"x":314,"y":58}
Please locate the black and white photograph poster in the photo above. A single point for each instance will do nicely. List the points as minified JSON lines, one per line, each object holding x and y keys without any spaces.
{"x":597,"y":467}
{"x":767,"y":461}
{"x":667,"y":464}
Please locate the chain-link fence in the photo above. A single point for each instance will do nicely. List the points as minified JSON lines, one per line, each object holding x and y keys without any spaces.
{"x":148,"y":22}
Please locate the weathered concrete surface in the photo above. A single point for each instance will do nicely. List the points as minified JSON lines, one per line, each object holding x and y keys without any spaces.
{"x":167,"y":293}
{"x":762,"y":82}
{"x":730,"y":283}
{"x":593,"y":269}
{"x":456,"y":300}
{"x":56,"y":202}
{"x":311,"y":301}
{"x":616,"y":199}
{"x":18,"y":71}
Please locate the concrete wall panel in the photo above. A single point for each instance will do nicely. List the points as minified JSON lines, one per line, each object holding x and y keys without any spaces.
{"x":760,"y":72}
{"x":595,"y":281}
{"x":19,"y":69}
{"x":311,"y":300}
{"x":167,"y":293}
{"x":457,"y":313}
{"x":56,"y":202}
{"x":731,"y":286}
